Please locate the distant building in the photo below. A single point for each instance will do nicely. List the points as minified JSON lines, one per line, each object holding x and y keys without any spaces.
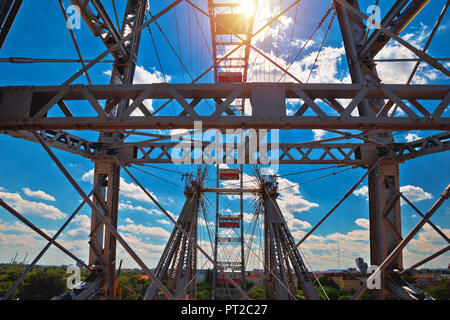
{"x":423,"y":279}
{"x":441,"y":275}
{"x":345,"y":280}
{"x":361,"y":265}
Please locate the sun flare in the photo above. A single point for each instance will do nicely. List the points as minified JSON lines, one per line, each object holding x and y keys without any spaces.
{"x":247,"y":7}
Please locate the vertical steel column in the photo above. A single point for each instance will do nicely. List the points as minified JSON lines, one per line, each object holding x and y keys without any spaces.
{"x":385,"y":223}
{"x":214,"y":284}
{"x":107,"y":174}
{"x":243,"y":285}
{"x":385,"y":219}
{"x":107,"y":177}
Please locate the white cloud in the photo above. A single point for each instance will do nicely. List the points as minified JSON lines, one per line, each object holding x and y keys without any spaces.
{"x":128,"y":220}
{"x":130,"y":207}
{"x":13,"y":227}
{"x":318,"y":134}
{"x":364,"y":223}
{"x":139,"y":229}
{"x":163,"y":221}
{"x":88,"y":176}
{"x":291,"y":199}
{"x":37,"y":209}
{"x":83,"y":223}
{"x":296,"y":224}
{"x":411,"y":137}
{"x":415,"y":194}
{"x":38,"y":194}
{"x":143,"y":76}
{"x":128,"y":190}
{"x":132,"y":191}
{"x":326,"y":69}
{"x":362,"y":192}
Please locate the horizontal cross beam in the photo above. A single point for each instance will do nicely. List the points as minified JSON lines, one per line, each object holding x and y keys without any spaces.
{"x":31,"y":108}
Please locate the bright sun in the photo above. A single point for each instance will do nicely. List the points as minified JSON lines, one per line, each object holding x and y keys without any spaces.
{"x":247,"y":7}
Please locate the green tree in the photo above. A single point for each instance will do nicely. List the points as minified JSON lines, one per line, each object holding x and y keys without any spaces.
{"x":209,"y":276}
{"x":325,"y":281}
{"x":258,"y":294}
{"x":440,"y":291}
{"x":41,"y":285}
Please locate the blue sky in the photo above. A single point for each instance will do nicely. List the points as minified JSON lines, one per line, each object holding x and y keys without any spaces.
{"x":31,"y":183}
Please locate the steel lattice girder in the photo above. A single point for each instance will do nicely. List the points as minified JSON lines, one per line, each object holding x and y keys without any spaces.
{"x":27,"y":108}
{"x":296,"y":153}
{"x":288,"y":153}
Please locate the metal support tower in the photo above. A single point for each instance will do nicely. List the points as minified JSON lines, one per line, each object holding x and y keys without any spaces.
{"x":278,"y":241}
{"x":178,"y":263}
{"x":385,"y":218}
{"x":102,"y":254}
{"x":107,"y":173}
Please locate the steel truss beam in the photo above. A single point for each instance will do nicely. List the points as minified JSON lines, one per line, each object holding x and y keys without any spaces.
{"x":64,"y":141}
{"x":292,"y":153}
{"x":28,"y":108}
{"x":32,"y":109}
{"x":385,"y":218}
{"x":358,"y":154}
